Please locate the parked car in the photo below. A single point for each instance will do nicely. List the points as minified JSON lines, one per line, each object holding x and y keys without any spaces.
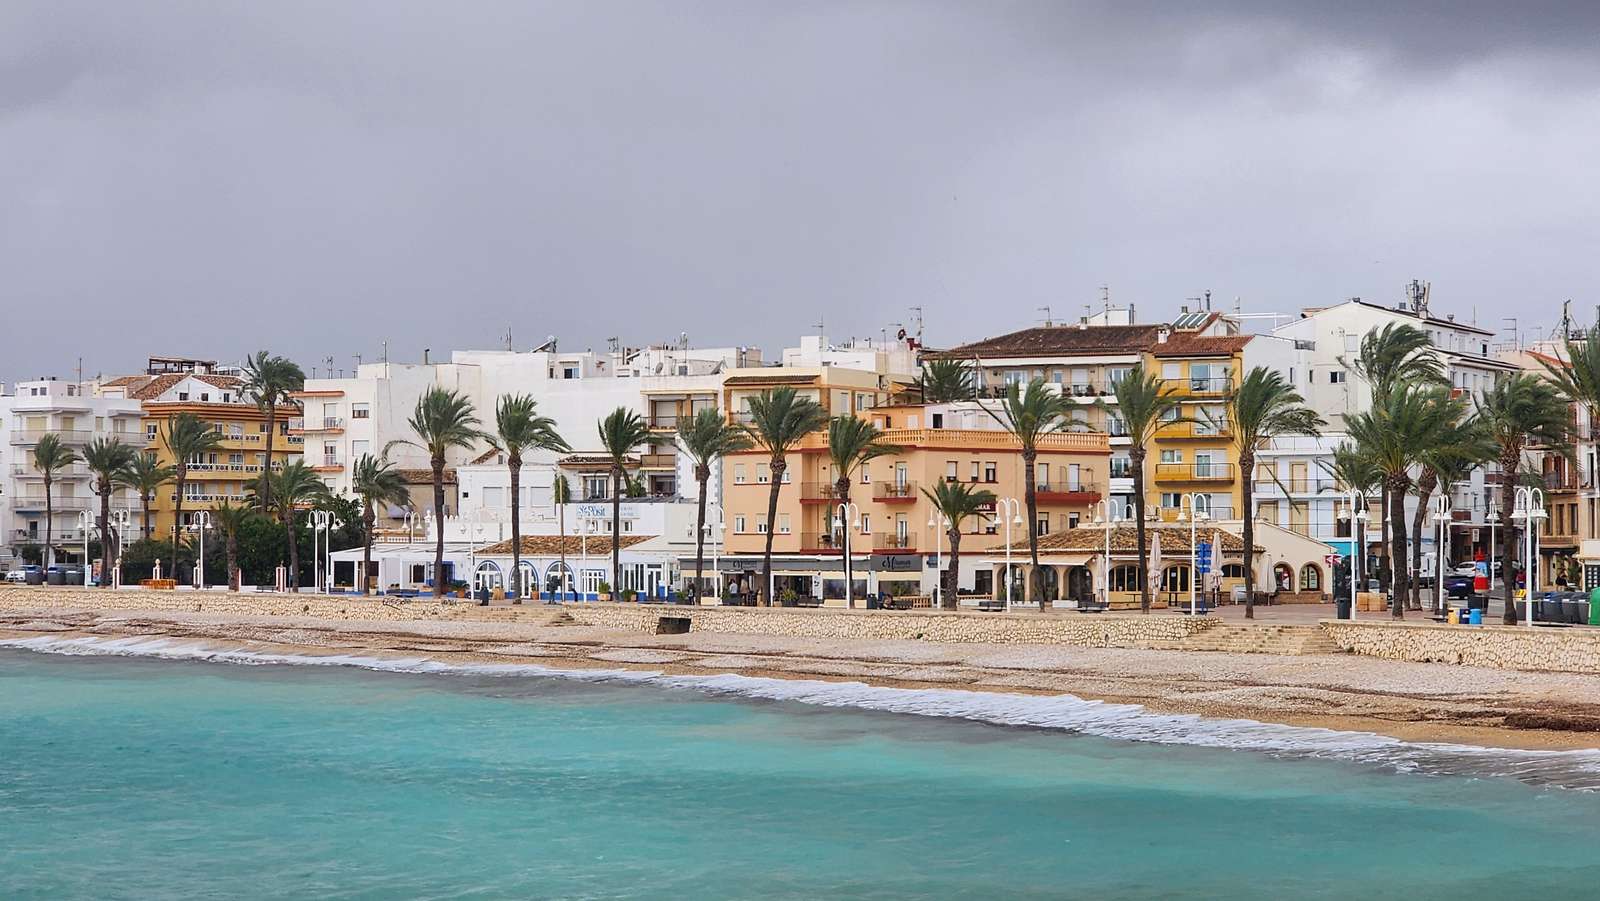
{"x":20,"y":574}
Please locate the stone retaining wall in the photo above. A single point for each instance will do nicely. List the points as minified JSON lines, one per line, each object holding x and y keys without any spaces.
{"x":1098,"y":630}
{"x":41,"y":597}
{"x":1572,"y":650}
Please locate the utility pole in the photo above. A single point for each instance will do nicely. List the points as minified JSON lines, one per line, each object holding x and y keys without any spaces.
{"x":1047,"y":320}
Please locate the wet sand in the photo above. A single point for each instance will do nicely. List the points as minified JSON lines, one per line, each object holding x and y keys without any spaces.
{"x":1410,"y":701}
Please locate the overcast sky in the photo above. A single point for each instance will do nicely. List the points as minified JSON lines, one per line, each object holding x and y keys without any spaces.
{"x":209,"y":178}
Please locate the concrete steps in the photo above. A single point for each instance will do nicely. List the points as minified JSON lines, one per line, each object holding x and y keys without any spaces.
{"x":1231,"y":638}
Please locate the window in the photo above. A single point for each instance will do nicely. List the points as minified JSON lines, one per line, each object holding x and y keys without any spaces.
{"x":866,"y":524}
{"x":936,"y":420}
{"x":1172,"y":456}
{"x":1336,"y":376}
{"x":1115,"y":375}
{"x":1310,"y":578}
{"x":738,"y":523}
{"x":991,"y":472}
{"x":1121,"y":467}
{"x":761,"y":524}
{"x":763,"y":474}
{"x":866,"y":475}
{"x":1126,"y":578}
{"x":359,"y":411}
{"x":950,"y":474}
{"x":1042,"y":527}
{"x":1072,"y":520}
{"x":1171,"y":500}
{"x":976,"y":473}
{"x":783,"y":523}
{"x":738,"y":473}
{"x":150,"y":434}
{"x":1171,"y":372}
{"x":494,"y":497}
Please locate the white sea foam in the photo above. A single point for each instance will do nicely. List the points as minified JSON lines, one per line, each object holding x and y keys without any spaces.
{"x":1128,"y":722}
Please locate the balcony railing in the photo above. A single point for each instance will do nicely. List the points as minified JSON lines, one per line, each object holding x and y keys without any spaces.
{"x":326,"y":423}
{"x":327,"y":461}
{"x":818,"y":492}
{"x":1081,"y":486}
{"x":37,"y":502}
{"x":57,"y":536}
{"x":894,"y":542}
{"x":1211,"y":385}
{"x":821,"y":543}
{"x":1194,"y":472}
{"x":664,"y":422}
{"x":68,"y":436}
{"x":71,"y":471}
{"x":1295,"y":486}
{"x":1561,"y":481}
{"x":891,"y":492}
{"x":658,"y":461}
{"x":1213,"y":512}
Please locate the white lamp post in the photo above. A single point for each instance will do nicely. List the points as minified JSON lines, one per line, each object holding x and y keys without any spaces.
{"x":1441,"y":518}
{"x":1107,"y":514}
{"x":1195,"y":514}
{"x":1493,"y":518}
{"x":199,"y":525}
{"x":938,"y":522}
{"x":1529,"y":510}
{"x":1009,"y":509}
{"x":845,"y":522}
{"x":323,"y":522}
{"x":120,"y":516}
{"x":1358,"y":517}
{"x":86,"y":522}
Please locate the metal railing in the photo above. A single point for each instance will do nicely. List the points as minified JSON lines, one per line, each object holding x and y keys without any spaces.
{"x":894,"y":542}
{"x":821,"y":542}
{"x":666,"y":421}
{"x":1082,"y":486}
{"x":1194,"y":472}
{"x":1208,"y":385}
{"x":37,"y":502}
{"x":894,"y":491}
{"x":69,"y":436}
{"x":818,"y":491}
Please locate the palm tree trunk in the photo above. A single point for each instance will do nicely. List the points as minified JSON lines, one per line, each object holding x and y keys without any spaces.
{"x":49,"y":525}
{"x":264,"y":496}
{"x":953,"y":576}
{"x":1136,"y":463}
{"x":561,"y":527}
{"x":177,"y":517}
{"x":776,"y":468}
{"x":514,"y":463}
{"x":369,"y":521}
{"x":1247,"y":468}
{"x":105,"y":538}
{"x":1397,"y":554}
{"x":294,"y":549}
{"x":233,"y":561}
{"x":1030,"y":498}
{"x":701,"y":474}
{"x":1388,"y":554}
{"x":144,"y":514}
{"x":438,"y":521}
{"x":841,"y":488}
{"x":1507,"y":544}
{"x":1425,"y":486}
{"x":617,"y":475}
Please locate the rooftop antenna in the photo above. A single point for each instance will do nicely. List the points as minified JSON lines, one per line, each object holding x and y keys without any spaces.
{"x":1516,"y":337}
{"x":917,"y":318}
{"x":508,"y":337}
{"x":1047,"y":320}
{"x":80,"y":374}
{"x":329,"y":360}
{"x":820,"y":327}
{"x":358,"y":362}
{"x":1105,"y":297}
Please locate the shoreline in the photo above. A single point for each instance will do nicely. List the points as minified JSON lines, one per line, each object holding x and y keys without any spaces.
{"x":1336,"y":692}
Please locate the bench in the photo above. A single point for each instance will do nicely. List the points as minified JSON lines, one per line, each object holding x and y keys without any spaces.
{"x":1087,"y":606}
{"x":894,"y":603}
{"x":989,"y":605}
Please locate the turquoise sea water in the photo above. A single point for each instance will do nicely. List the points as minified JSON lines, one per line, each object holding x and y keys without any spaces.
{"x":142,"y":778}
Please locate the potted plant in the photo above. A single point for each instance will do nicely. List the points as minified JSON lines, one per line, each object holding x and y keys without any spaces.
{"x":628,"y":595}
{"x":789,"y":598}
{"x":604,"y":590}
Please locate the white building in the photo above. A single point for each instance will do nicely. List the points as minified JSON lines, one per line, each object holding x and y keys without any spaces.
{"x":74,"y":412}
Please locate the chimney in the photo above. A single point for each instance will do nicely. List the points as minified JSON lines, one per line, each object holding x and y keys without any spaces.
{"x":1161,"y":334}
{"x":425,"y":351}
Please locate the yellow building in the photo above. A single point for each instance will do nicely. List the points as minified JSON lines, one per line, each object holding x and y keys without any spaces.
{"x":1198,"y":457}
{"x":230,"y":472}
{"x":894,"y":543}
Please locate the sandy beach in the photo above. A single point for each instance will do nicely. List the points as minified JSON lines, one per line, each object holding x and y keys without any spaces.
{"x":1412,"y":701}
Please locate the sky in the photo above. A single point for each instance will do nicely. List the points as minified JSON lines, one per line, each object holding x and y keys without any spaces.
{"x":210,"y":178}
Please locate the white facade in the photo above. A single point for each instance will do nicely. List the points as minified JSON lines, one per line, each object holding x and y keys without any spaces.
{"x":72,"y":411}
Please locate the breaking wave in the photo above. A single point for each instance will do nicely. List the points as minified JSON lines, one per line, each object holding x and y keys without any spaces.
{"x":1578,"y":770}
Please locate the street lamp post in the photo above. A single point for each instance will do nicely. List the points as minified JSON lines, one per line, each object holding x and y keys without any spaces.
{"x":1009,"y":509}
{"x":85,"y":521}
{"x":1493,"y":518}
{"x":1529,"y":510}
{"x":1358,"y":531}
{"x":847,"y":513}
{"x":200,"y":523}
{"x":1441,"y":519}
{"x":121,"y":517}
{"x":1109,"y":512}
{"x":1195,"y":514}
{"x":938,"y":522}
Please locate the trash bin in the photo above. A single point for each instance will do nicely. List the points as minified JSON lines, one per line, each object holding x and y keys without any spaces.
{"x":56,"y":577}
{"x":35,"y":577}
{"x":1478,"y":602}
{"x":1475,"y":616}
{"x":1594,"y":607}
{"x":1343,"y":608}
{"x":1575,"y":607}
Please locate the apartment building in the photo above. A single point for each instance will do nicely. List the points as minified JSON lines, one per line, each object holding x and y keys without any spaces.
{"x":78,"y":413}
{"x":894,"y":542}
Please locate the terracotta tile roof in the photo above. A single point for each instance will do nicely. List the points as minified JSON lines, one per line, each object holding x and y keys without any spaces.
{"x":1189,"y":344}
{"x":1125,"y":540}
{"x":758,"y":380}
{"x":425,"y":476}
{"x":1059,"y":339}
{"x":571,"y":545}
{"x":161,"y":383}
{"x":484,"y":457}
{"x":123,"y":380}
{"x":590,"y":461}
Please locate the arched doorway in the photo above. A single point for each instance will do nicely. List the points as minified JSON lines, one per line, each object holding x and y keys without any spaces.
{"x":1283,"y":577}
{"x":488,"y":575}
{"x":559,"y":579}
{"x":1310,"y":577}
{"x":1175,"y":578}
{"x":529,"y":578}
{"x":1049,"y":583}
{"x":1080,"y":584}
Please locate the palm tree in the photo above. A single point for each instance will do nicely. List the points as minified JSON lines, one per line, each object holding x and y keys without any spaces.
{"x":706,"y":437}
{"x":294,"y":486}
{"x":779,"y":420}
{"x":1395,"y":434}
{"x":621,"y":432}
{"x":108,"y":459}
{"x":145,"y":475}
{"x":561,"y":496}
{"x":1457,"y":453}
{"x":271,"y":380}
{"x":230,"y":519}
{"x":375,"y":481}
{"x":1029,"y":414}
{"x":945,"y":379}
{"x":187,"y":436}
{"x":852,"y":443}
{"x":519,"y":428}
{"x":50,"y":456}
{"x":1519,"y":411}
{"x":1354,"y":471}
{"x":1264,"y":406}
{"x":954,"y":502}
{"x":1147,"y":405}
{"x":1396,"y":355}
{"x":443,"y":419}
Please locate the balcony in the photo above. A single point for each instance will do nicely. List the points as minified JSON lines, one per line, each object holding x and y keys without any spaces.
{"x":57,"y":537}
{"x":658,"y":461}
{"x":326,"y":424}
{"x":1082,"y":491}
{"x":1213,"y":512}
{"x":327,"y":463}
{"x":820,"y":543}
{"x":1202,"y":430}
{"x":1294,"y":486}
{"x":73,"y":471}
{"x":30,"y":503}
{"x":666,"y":422}
{"x":23,"y":437}
{"x":818,"y":492}
{"x":1194,"y":472}
{"x":1218,"y":385}
{"x":228,"y":467}
{"x":1561,"y":481}
{"x":892,"y":543}
{"x":895,"y":492}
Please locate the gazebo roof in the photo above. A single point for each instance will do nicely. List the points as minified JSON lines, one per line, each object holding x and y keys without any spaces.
{"x":1125,"y":540}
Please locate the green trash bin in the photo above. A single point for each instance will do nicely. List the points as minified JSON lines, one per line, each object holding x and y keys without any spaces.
{"x":1594,"y":607}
